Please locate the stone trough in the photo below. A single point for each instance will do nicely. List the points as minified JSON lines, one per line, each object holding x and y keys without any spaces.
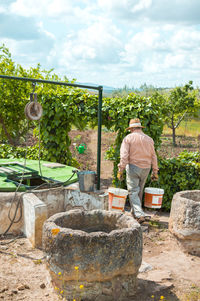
{"x":184,"y":220}
{"x":93,"y":255}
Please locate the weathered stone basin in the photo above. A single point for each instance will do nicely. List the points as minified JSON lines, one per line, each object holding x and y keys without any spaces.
{"x":101,"y":250}
{"x":184,"y":220}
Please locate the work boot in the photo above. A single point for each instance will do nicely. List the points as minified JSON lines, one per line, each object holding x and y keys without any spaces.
{"x":147,"y":217}
{"x":140,"y":219}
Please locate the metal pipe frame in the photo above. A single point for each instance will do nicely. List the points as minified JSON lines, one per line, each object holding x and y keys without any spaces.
{"x":98,"y":88}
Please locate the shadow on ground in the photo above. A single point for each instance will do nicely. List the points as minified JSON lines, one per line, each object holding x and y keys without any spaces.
{"x":151,"y":290}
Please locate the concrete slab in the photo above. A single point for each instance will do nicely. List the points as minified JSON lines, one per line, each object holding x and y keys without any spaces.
{"x":35,"y":214}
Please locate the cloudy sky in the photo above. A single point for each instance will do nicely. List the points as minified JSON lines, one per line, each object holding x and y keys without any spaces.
{"x":106,"y":42}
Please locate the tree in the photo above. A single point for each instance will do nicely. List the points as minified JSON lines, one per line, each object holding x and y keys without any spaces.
{"x":13,"y":97}
{"x":179,"y":102}
{"x":121,"y":92}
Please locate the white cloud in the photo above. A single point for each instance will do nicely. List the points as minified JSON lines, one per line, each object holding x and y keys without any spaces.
{"x":88,"y":53}
{"x":96,"y":44}
{"x":106,"y":41}
{"x":140,"y":49}
{"x":175,"y":61}
{"x":28,"y":42}
{"x":19,"y":28}
{"x":38,"y":8}
{"x":141,"y":5}
{"x":11,"y":44}
{"x":152,"y":52}
{"x":165,"y":11}
{"x":2,"y":10}
{"x":186,"y":39}
{"x":27,"y":8}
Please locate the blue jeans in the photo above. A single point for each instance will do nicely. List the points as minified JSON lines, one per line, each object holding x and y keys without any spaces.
{"x":135,"y":180}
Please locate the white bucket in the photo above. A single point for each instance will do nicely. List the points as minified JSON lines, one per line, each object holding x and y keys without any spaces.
{"x":117,"y":199}
{"x":153,"y":197}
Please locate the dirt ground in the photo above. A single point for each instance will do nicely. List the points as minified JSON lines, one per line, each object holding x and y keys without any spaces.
{"x":167,"y":273}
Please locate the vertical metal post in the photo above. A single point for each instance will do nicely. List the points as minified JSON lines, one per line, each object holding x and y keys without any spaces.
{"x":99,"y":137}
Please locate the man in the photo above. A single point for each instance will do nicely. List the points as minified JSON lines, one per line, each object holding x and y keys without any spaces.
{"x":137,"y":155}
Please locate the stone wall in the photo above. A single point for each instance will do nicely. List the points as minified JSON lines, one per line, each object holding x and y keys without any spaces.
{"x":8,"y":203}
{"x":38,"y":205}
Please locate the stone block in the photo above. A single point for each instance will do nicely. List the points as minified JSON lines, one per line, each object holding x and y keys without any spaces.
{"x":53,"y":198}
{"x":35,"y":214}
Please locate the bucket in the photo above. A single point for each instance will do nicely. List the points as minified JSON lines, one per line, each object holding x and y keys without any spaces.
{"x":87,"y":180}
{"x":117,"y":199}
{"x":153,"y":197}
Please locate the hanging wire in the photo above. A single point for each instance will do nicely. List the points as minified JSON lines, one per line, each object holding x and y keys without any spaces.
{"x":19,"y":204}
{"x":39,"y":154}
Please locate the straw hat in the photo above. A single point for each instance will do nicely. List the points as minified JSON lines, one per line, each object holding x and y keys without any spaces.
{"x":135,"y":123}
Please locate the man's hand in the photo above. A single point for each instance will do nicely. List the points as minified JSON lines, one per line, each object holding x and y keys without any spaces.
{"x":154,"y":176}
{"x":120,"y":175}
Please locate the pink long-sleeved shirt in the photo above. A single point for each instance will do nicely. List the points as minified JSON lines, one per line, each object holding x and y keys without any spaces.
{"x":138,"y":149}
